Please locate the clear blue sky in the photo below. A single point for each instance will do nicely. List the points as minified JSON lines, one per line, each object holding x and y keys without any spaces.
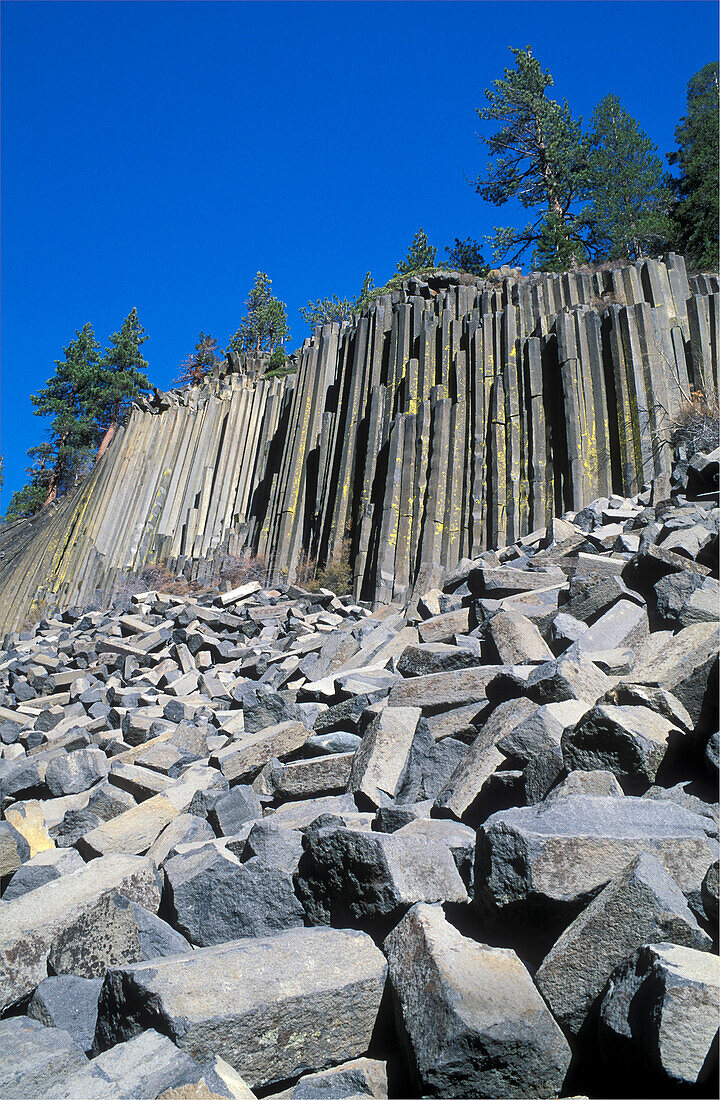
{"x":158,"y":154}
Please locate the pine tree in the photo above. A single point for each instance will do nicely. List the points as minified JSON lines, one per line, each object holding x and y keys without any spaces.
{"x":539,"y":157}
{"x":73,"y":398}
{"x":326,"y":310}
{"x":420,"y":255}
{"x":123,"y":376}
{"x":466,"y":256}
{"x":200,"y":362}
{"x":627,"y":215}
{"x":265,"y":324}
{"x":695,"y":209}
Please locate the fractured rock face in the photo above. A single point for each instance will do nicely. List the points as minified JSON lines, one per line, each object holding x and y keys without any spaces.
{"x":659,"y":1017}
{"x":643,"y":904}
{"x":470,"y":1017}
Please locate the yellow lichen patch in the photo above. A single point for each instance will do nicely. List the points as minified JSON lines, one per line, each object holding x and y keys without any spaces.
{"x":29,"y":820}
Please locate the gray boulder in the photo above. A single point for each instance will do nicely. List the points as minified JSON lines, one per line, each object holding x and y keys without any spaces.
{"x":14,"y":849}
{"x":546,"y":862}
{"x":114,"y":931}
{"x":632,"y":742}
{"x":36,"y":1061}
{"x":659,"y":1019}
{"x":70,"y":1004}
{"x":643,"y":904}
{"x":234,"y":809}
{"x":350,"y":878}
{"x":77,"y":771}
{"x":361,"y":1077}
{"x":300,"y":980}
{"x":470,"y":1019}
{"x":380,"y":763}
{"x":143,"y":1068}
{"x":214,"y":898}
{"x":32,"y":924}
{"x":43,"y":867}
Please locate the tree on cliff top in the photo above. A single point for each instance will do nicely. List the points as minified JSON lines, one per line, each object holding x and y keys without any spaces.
{"x":123,"y":376}
{"x":420,"y":255}
{"x":466,"y":256}
{"x":538,"y":155}
{"x":73,"y":398}
{"x":695,"y":210}
{"x":265,"y":324}
{"x":200,"y":362}
{"x":627,"y":216}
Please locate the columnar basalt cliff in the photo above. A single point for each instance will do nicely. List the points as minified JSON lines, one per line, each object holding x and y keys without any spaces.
{"x":452,"y":415}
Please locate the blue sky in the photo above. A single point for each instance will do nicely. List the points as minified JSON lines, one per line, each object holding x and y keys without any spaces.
{"x":159,"y":154}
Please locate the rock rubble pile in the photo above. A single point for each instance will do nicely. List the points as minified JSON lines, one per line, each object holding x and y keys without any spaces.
{"x":268,"y":843}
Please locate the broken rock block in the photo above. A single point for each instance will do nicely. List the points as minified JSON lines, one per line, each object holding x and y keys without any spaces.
{"x":516,"y":639}
{"x":301,"y":979}
{"x":482,"y":758}
{"x":642,"y":905}
{"x":546,"y":862}
{"x":112,"y":932}
{"x":215,"y":898}
{"x":145,"y":1066}
{"x":470,"y":1018}
{"x":361,"y":1077}
{"x":36,"y":1061}
{"x":14,"y":849}
{"x":683,"y":666}
{"x":42,"y":868}
{"x":70,"y":1004}
{"x":381,"y":760}
{"x":34,"y":922}
{"x":632,"y":742}
{"x":347,"y":877}
{"x":75,"y":771}
{"x":243,"y":759}
{"x":659,"y":1019}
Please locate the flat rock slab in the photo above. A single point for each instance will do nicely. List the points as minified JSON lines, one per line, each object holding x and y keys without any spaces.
{"x":135,"y":830}
{"x":443,"y":690}
{"x":471,"y":1020}
{"x":33,"y":922}
{"x":263,"y":1005}
{"x":552,"y":858}
{"x":141,"y":1068}
{"x":659,"y":1017}
{"x":641,"y":905}
{"x":244,"y":759}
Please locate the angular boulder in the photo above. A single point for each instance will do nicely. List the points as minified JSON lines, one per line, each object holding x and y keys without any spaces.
{"x":470,"y":1019}
{"x":236,"y":1000}
{"x":642,"y":905}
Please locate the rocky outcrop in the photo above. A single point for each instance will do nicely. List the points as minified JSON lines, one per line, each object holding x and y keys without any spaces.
{"x":272,"y":843}
{"x":453,"y":415}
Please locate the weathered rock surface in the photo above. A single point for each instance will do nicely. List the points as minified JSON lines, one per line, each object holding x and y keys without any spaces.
{"x":300,"y":980}
{"x":472,"y":1020}
{"x":659,"y":1017}
{"x":286,"y":758}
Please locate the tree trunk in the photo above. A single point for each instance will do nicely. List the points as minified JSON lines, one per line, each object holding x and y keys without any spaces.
{"x":55,"y":476}
{"x":107,"y":440}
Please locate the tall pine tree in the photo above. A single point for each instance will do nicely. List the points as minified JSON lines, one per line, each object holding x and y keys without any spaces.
{"x":264,"y":326}
{"x":627,"y":216}
{"x":123,"y":376}
{"x":538,"y":156}
{"x":695,"y":209}
{"x":420,"y":255}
